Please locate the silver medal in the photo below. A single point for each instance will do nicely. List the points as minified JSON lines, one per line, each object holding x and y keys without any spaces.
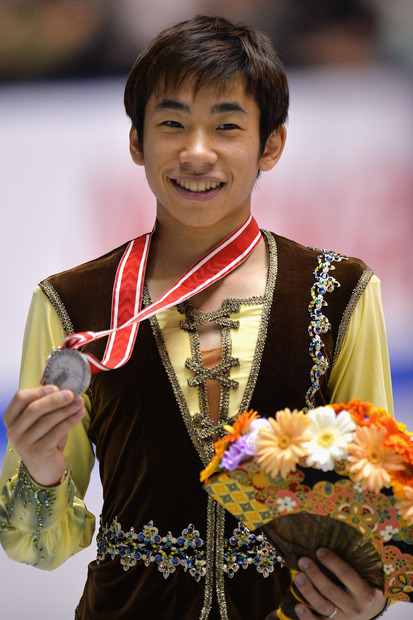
{"x":68,"y":369}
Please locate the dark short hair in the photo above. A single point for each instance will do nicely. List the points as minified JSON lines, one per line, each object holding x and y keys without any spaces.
{"x":209,"y":50}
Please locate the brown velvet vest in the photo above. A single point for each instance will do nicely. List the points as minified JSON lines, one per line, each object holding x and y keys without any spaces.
{"x":150,"y":455}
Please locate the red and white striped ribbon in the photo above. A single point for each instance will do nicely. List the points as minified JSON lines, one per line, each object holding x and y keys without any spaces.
{"x":128,"y":286}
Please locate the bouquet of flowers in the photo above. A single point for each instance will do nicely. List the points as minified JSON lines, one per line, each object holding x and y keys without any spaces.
{"x":340,"y":476}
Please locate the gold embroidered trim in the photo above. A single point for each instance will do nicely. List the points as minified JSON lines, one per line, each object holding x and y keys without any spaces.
{"x":63,"y":315}
{"x":220,"y":372}
{"x":209,"y":577}
{"x":58,"y":305}
{"x":216,"y":520}
{"x":219,"y":559}
{"x":263,"y":328}
{"x":205,"y":451}
{"x":347,"y":314}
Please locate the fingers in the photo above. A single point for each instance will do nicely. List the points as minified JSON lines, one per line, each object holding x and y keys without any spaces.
{"x":33,"y":414}
{"x":312,"y":586}
{"x":22,"y":399}
{"x":34,"y":417}
{"x":38,"y":422}
{"x":346,"y":573}
{"x":354,"y":599}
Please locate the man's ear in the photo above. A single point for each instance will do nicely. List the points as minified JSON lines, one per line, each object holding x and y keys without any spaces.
{"x":273,"y":149}
{"x":134,"y":147}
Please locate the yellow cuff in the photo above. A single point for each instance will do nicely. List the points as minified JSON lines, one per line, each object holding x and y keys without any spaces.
{"x":35,"y":508}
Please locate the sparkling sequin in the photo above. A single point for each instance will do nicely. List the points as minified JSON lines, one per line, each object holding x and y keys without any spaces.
{"x":245,"y":549}
{"x":148,"y":546}
{"x":242,"y":550}
{"x":319,"y":325}
{"x":28,"y":493}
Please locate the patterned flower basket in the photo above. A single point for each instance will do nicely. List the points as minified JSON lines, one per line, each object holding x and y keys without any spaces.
{"x":301,"y":513}
{"x":340,"y":476}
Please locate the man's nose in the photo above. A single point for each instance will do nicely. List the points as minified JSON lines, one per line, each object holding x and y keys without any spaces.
{"x":198,"y":150}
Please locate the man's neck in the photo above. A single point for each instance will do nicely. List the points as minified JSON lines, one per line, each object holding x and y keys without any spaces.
{"x":173,"y":251}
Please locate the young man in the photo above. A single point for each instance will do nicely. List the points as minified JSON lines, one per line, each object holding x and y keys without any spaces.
{"x":208,"y":102}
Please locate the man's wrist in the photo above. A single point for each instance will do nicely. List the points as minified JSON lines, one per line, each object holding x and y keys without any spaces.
{"x":383,"y":611}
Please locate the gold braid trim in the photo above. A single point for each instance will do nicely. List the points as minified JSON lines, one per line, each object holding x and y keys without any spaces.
{"x":58,"y":305}
{"x":205,"y":450}
{"x":63,"y":315}
{"x":347,"y":314}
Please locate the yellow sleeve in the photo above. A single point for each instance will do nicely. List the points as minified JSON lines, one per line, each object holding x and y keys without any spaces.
{"x":362,"y":369}
{"x":45,"y":533}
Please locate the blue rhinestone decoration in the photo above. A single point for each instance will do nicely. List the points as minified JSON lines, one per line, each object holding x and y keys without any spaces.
{"x":245,"y":549}
{"x":242,"y":550}
{"x":148,"y":546}
{"x":320,"y":324}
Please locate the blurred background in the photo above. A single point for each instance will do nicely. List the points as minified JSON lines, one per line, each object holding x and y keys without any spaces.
{"x":69,"y":191}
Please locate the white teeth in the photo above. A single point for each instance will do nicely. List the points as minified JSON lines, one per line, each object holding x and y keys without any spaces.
{"x":198,"y":187}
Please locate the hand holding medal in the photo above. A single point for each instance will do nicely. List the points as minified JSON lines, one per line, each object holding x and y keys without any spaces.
{"x":38,"y":420}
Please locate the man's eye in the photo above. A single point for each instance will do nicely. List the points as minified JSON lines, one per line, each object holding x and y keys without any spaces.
{"x":173,"y":124}
{"x":227,"y":126}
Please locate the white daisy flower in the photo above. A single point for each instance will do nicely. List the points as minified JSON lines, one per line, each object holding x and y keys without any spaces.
{"x":330,"y":435}
{"x":286,"y":503}
{"x":388,"y":532}
{"x":388,"y":569}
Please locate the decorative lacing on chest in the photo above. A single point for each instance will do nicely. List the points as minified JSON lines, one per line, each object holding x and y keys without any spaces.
{"x":222,"y":371}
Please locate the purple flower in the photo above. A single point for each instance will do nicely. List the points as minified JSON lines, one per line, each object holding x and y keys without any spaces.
{"x":236,"y":452}
{"x":254,"y":429}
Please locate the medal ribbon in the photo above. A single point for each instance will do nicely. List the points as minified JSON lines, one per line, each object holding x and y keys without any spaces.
{"x":128,"y":286}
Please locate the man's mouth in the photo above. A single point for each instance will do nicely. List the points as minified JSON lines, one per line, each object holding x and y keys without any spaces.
{"x":194,"y":186}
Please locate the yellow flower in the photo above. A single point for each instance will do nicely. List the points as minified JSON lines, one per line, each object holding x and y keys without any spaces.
{"x":370,"y":461}
{"x":260,"y":481}
{"x":212,"y":467}
{"x":280,"y":447}
{"x":405,"y":505}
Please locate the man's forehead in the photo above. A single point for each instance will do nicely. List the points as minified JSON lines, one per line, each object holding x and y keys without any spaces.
{"x":190,"y":89}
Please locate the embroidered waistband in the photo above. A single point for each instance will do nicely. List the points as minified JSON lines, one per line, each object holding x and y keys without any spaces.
{"x":242,"y":550}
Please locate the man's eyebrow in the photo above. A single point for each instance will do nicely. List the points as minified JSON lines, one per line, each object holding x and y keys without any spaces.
{"x":172,"y":104}
{"x":219,"y":108}
{"x":230,"y":106}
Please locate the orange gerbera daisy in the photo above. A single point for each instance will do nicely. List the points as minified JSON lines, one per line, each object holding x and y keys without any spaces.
{"x":400,"y":479}
{"x":395,"y":438}
{"x":241,"y":425}
{"x":280,"y":447}
{"x":405,"y":505}
{"x":359,"y":411}
{"x":402,"y":444}
{"x":370,"y":461}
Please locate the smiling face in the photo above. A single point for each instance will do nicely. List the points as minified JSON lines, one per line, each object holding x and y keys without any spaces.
{"x":201,"y":154}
